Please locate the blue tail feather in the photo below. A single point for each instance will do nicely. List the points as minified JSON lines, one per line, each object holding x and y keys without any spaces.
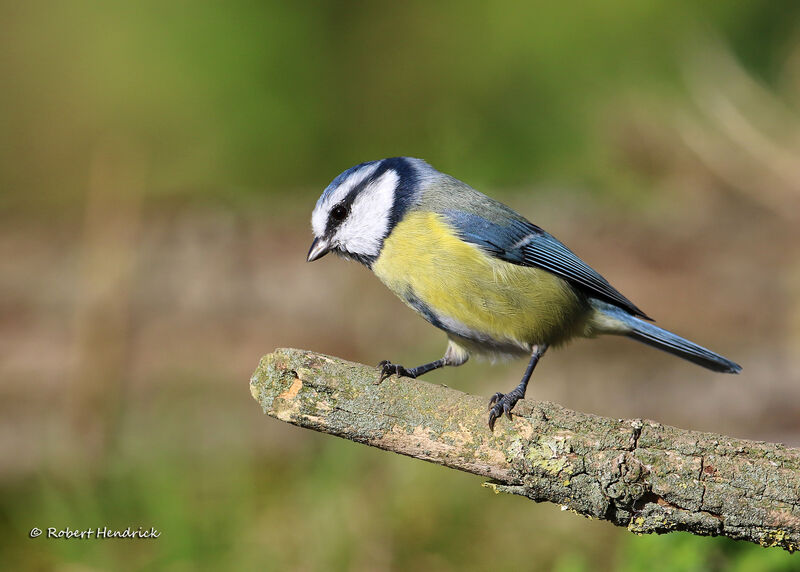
{"x":664,"y":340}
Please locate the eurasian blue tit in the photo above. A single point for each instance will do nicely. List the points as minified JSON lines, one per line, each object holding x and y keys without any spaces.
{"x":473,"y":267}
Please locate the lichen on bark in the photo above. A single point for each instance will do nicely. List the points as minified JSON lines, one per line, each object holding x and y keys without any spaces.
{"x":645,"y":476}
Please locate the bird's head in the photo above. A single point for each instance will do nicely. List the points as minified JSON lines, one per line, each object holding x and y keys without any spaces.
{"x":358,"y":210}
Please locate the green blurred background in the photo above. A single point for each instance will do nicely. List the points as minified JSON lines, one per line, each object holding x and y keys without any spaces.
{"x":158,"y":166}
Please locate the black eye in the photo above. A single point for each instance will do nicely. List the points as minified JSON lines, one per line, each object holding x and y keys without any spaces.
{"x":338,"y":213}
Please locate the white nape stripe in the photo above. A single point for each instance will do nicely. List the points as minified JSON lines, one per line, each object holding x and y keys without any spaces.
{"x":319,"y":217}
{"x":364,"y":230}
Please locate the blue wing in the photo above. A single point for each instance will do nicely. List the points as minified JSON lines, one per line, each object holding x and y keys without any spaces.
{"x":521,"y":242}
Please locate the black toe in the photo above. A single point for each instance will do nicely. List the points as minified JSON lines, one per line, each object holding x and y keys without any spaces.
{"x":501,"y":404}
{"x":388,"y":369}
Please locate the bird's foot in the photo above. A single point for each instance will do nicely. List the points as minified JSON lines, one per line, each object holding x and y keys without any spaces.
{"x":388,"y":369}
{"x":502,"y":403}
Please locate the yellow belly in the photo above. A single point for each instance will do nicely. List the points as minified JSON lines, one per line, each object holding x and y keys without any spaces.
{"x":494,"y":301}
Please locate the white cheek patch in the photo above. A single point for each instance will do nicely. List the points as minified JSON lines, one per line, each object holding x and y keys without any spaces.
{"x":368,"y":223}
{"x":319,"y":217}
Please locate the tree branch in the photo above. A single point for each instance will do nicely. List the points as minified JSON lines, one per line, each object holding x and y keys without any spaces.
{"x":635,"y":473}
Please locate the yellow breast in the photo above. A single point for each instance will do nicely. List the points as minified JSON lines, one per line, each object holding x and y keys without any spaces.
{"x":470,"y":291}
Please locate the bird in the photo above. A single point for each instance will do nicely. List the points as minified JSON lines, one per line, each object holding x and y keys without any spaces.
{"x":498,"y":285}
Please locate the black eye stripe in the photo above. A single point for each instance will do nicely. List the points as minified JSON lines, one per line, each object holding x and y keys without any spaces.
{"x":333,"y":220}
{"x":349,"y":199}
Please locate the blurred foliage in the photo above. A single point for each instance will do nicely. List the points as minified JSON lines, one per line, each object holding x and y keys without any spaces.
{"x":268,"y":101}
{"x":247,"y":96}
{"x":336,"y":506}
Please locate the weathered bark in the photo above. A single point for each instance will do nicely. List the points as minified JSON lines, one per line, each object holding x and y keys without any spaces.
{"x":635,"y":473}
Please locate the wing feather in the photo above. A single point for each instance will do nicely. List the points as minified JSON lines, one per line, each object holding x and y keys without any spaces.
{"x":518,"y":241}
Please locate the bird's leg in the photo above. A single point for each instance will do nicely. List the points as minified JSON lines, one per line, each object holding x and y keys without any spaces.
{"x":503,"y":403}
{"x":387,"y":368}
{"x":454,"y":356}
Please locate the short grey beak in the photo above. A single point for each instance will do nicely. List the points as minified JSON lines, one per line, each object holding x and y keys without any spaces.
{"x":319,"y":248}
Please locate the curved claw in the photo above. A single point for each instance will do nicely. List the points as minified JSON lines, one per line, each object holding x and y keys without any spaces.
{"x":492,"y":418}
{"x":388,"y":369}
{"x":500,"y":404}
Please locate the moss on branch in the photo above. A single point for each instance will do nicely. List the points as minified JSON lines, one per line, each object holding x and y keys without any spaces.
{"x":647,"y":477}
